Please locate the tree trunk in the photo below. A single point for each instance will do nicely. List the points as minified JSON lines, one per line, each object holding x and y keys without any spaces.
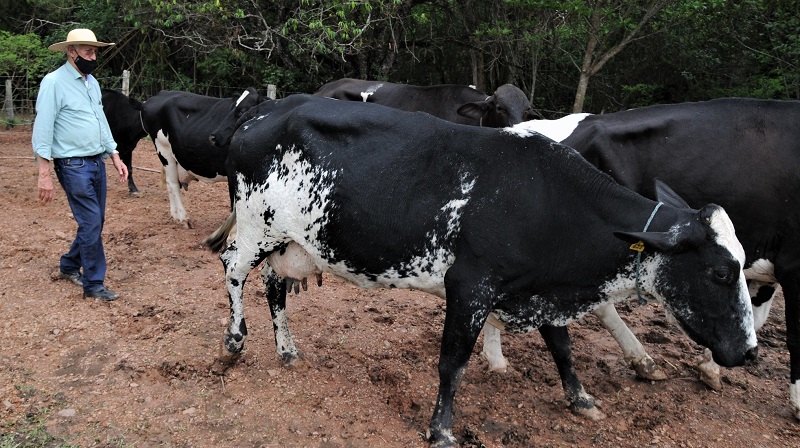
{"x":580,"y":93}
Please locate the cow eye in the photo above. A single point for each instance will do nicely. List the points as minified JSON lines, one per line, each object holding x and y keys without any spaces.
{"x":722,"y":274}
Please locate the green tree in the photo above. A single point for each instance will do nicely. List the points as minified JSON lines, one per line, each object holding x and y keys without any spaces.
{"x":22,"y":56}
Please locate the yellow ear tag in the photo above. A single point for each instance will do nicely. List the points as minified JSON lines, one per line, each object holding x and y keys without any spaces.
{"x":638,"y":246}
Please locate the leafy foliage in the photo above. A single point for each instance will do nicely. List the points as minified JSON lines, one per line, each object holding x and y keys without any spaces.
{"x":594,"y":55}
{"x":22,"y":55}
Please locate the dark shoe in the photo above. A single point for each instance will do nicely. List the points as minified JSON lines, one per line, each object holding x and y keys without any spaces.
{"x":103,"y":294}
{"x":75,"y":277}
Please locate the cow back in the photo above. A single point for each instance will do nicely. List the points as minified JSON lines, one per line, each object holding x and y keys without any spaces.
{"x":380,"y":149}
{"x":442,"y":101}
{"x":742,"y":154}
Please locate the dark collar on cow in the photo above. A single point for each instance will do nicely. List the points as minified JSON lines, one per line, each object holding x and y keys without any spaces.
{"x":141,"y":120}
{"x":639,"y":248}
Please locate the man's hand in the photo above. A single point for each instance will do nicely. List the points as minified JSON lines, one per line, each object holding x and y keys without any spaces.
{"x":45,"y":187}
{"x":120,"y":167}
{"x":45,"y":181}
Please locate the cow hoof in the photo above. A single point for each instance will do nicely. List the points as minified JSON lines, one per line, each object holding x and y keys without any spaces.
{"x":647,"y":369}
{"x":592,"y":413}
{"x":295,"y":361}
{"x":496,"y":365}
{"x":711,"y":380}
{"x":587,"y":407}
{"x":233,"y":344}
{"x":440,"y":439}
{"x":709,"y":371}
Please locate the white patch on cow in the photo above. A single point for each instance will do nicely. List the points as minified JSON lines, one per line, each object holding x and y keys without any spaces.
{"x":453,"y":208}
{"x":242,"y":97}
{"x":726,"y":237}
{"x":430,"y":267}
{"x":557,"y":130}
{"x":761,"y":312}
{"x":545,"y":311}
{"x":300,"y":194}
{"x":762,"y":271}
{"x":370,"y":91}
{"x":247,"y":125}
{"x":794,"y":398}
{"x":623,"y":286}
{"x":726,"y":234}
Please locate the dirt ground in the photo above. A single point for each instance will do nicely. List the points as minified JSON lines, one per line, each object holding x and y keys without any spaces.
{"x":142,"y":371}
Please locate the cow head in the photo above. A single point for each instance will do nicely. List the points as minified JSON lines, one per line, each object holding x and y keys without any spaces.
{"x":695,"y":270}
{"x":507,"y":107}
{"x":247,"y":100}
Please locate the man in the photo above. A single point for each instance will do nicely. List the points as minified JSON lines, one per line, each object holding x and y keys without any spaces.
{"x":71,"y":130}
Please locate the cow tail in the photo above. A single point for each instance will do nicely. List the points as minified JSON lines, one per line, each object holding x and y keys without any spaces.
{"x":216,"y":241}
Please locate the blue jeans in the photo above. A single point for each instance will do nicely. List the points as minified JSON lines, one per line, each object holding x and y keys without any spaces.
{"x":84,"y":182}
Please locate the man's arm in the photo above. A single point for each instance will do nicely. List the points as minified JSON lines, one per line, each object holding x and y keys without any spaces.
{"x":42,"y":138}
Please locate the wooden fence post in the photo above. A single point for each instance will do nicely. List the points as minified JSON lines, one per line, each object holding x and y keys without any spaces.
{"x":8,"y":103}
{"x":271,"y":91}
{"x":126,"y":80}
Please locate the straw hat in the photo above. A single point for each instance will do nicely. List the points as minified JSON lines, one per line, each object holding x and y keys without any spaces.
{"x":79,"y":36}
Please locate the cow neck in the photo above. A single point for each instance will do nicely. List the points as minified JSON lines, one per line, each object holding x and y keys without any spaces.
{"x":639,"y":248}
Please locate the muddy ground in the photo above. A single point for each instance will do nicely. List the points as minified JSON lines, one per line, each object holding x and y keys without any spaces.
{"x":140,"y":372}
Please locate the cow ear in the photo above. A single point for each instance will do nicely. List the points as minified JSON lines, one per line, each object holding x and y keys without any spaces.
{"x":476,"y":110}
{"x":531,"y":114}
{"x":668,"y":196}
{"x":663,"y":241}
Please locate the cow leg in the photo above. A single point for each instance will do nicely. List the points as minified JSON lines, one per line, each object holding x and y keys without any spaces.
{"x":762,"y":296}
{"x":170,"y":165}
{"x":493,"y":350}
{"x":466,"y":314}
{"x":275,"y":288}
{"x":558,"y":342}
{"x":791,"y":294}
{"x":633,"y":351}
{"x":127,"y":159}
{"x":237,"y":266}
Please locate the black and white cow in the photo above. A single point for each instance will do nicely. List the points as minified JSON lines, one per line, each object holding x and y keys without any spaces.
{"x":180,"y":124}
{"x":494,"y":222}
{"x":458,"y":104}
{"x":125,"y":120}
{"x":743,"y":154}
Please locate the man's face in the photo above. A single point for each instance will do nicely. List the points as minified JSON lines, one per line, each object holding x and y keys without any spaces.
{"x":87,"y":52}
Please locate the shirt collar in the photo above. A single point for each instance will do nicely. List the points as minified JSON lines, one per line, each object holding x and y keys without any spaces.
{"x":74,"y":72}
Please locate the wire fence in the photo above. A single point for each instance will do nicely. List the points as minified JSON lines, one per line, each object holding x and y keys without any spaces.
{"x":19,"y":93}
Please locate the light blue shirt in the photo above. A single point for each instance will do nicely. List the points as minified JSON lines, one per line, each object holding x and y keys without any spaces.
{"x":69,"y":117}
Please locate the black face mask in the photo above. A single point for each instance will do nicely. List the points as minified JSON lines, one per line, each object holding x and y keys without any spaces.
{"x":84,"y":65}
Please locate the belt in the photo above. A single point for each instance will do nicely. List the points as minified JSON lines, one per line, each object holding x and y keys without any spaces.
{"x":79,"y":158}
